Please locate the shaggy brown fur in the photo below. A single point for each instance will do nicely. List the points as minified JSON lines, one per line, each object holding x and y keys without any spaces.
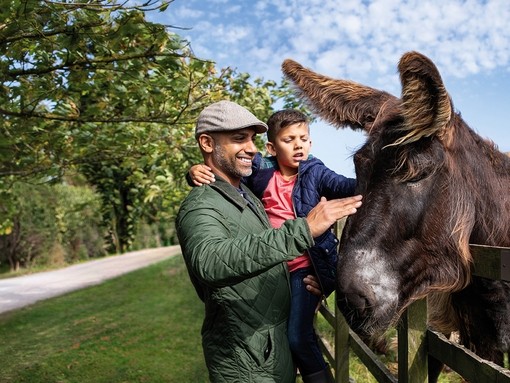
{"x":431,"y":187}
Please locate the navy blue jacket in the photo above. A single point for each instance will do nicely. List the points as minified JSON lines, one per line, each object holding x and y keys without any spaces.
{"x":314,"y":181}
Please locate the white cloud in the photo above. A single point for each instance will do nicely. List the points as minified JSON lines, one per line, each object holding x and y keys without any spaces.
{"x":357,"y":39}
{"x":471,"y":30}
{"x":461,"y":36}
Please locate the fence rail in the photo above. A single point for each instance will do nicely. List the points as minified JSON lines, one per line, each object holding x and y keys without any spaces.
{"x":416,"y":341}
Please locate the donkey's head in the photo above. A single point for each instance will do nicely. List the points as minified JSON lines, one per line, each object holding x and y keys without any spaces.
{"x":426,"y":179}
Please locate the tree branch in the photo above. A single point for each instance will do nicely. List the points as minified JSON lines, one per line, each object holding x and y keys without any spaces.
{"x":86,"y":62}
{"x":162,"y":119}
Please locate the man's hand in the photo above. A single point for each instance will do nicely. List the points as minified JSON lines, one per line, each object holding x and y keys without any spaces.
{"x":326,"y":213}
{"x":201,"y":174}
{"x":312,"y":285}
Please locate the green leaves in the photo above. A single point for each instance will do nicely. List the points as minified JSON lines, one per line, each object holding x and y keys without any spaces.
{"x":94,"y":88}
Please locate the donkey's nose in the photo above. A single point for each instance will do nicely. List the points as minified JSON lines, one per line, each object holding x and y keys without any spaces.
{"x":356,"y":299}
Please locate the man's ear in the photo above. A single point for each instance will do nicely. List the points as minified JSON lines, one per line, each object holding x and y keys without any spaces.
{"x":270,"y":148}
{"x":206,"y":143}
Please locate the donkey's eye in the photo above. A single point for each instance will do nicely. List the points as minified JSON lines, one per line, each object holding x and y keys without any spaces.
{"x":415,"y":179}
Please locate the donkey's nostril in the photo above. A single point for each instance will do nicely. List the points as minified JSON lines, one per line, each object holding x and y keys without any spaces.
{"x":356,"y":299}
{"x":357,"y":302}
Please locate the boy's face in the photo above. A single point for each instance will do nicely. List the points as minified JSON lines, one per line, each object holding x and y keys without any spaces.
{"x":292,"y":145}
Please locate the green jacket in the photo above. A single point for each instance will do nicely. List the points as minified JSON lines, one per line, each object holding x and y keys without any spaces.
{"x":236,"y":262}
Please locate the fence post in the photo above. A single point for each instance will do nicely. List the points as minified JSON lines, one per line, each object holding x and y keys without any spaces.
{"x":412,"y":347}
{"x":341,"y":348}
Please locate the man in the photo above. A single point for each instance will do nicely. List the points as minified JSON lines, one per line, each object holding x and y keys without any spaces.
{"x":236,"y":261}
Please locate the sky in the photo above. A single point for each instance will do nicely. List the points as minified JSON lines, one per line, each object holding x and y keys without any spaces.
{"x":361,"y":40}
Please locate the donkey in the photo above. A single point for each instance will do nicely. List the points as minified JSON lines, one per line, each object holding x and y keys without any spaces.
{"x":430,"y":186}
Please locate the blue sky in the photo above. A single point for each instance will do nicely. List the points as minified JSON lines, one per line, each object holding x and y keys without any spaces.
{"x":362,"y":40}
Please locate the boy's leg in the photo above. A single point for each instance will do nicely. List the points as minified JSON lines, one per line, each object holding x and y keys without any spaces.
{"x":303,"y":343}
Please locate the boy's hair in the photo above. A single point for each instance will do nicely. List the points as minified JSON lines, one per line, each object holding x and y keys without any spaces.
{"x":282,"y":119}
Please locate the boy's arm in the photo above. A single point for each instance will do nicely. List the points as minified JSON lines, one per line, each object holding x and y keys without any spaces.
{"x":334,"y":185}
{"x":199,"y":175}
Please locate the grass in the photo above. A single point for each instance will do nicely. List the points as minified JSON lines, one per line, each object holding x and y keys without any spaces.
{"x":141,"y":327}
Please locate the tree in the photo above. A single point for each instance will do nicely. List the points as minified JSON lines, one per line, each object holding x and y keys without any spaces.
{"x":63,"y":65}
{"x":95,"y":88}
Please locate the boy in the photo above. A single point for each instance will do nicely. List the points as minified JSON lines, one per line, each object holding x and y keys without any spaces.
{"x":290,"y":183}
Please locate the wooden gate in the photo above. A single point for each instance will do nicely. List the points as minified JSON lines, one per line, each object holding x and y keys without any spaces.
{"x":416,"y":342}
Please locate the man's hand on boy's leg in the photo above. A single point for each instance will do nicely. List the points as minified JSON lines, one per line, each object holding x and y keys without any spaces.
{"x":312,"y":285}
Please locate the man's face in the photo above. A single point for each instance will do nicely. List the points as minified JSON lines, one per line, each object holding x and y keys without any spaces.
{"x":233,"y":153}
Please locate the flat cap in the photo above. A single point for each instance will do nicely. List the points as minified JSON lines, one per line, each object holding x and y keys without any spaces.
{"x":225,"y":116}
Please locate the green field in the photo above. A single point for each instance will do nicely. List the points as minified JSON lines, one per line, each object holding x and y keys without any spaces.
{"x":141,"y":327}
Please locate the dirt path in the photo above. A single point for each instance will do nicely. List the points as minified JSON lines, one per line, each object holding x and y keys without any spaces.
{"x":28,"y":289}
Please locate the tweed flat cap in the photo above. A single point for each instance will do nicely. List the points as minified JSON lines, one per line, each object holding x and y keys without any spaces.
{"x":225,"y":116}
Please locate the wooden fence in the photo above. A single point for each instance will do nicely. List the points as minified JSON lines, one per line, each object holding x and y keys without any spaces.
{"x":416,"y":342}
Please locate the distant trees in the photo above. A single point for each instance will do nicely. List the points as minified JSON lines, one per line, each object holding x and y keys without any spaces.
{"x":94,"y":96}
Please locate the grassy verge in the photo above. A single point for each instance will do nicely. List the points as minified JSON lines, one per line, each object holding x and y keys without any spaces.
{"x":142,"y":327}
{"x":5,"y":271}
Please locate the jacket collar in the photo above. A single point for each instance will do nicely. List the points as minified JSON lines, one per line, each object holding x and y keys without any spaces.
{"x":270,"y":162}
{"x":229,"y":191}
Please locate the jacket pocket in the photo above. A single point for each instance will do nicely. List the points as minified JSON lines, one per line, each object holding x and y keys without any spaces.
{"x":260,"y":347}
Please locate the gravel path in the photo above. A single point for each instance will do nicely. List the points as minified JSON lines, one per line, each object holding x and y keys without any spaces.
{"x":25,"y":290}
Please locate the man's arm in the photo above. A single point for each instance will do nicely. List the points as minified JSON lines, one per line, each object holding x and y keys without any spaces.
{"x":219,"y":260}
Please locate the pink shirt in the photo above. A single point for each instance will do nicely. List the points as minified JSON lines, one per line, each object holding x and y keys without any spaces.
{"x":277,"y":201}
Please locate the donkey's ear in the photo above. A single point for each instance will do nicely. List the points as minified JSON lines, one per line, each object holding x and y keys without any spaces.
{"x":340,"y":102}
{"x":426,"y":105}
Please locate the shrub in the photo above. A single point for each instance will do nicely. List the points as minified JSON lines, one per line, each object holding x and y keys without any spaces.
{"x":52,"y":224}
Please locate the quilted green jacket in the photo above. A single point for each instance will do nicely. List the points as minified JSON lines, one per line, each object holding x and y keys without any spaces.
{"x":236,"y":262}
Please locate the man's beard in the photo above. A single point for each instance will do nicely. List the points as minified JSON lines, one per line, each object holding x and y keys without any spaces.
{"x":229,"y":165}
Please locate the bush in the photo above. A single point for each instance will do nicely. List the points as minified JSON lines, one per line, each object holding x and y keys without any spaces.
{"x":79,"y":222}
{"x":52,"y":224}
{"x":154,"y":235}
{"x":33,"y":225}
